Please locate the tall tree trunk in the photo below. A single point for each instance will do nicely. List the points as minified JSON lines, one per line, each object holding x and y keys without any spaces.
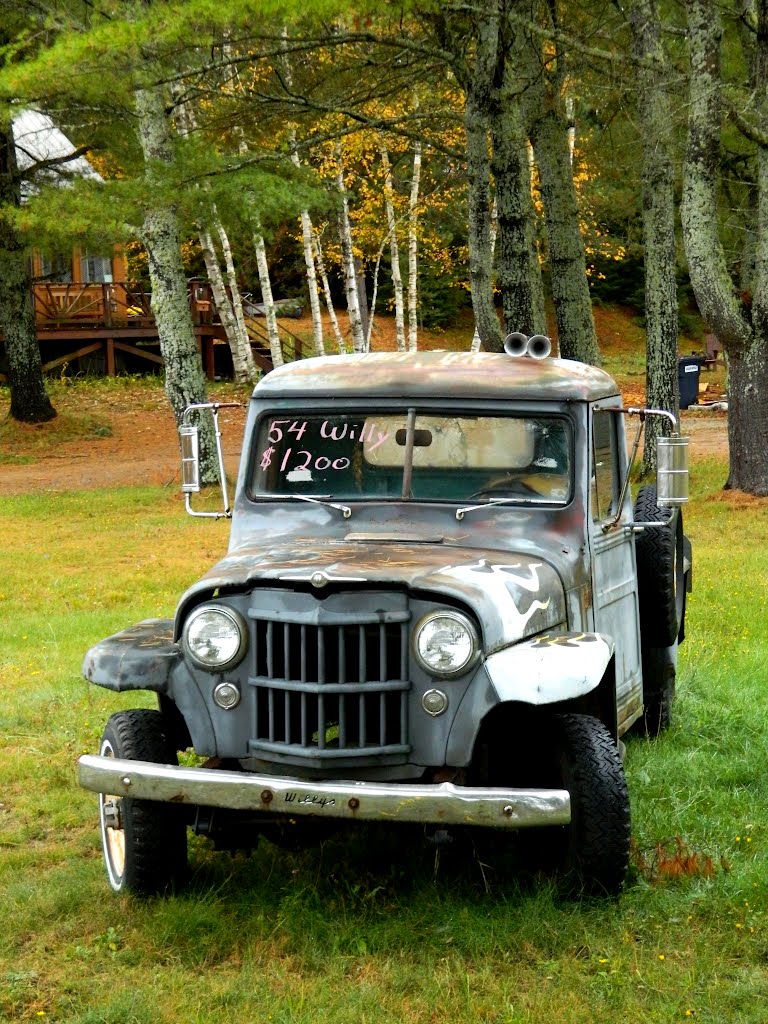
{"x":519,"y":272}
{"x":348,"y":260}
{"x":237,"y":302}
{"x":318,"y":251}
{"x":478,"y":89}
{"x":273,"y":332}
{"x":493,"y":233}
{"x":742,"y":330}
{"x":29,"y":399}
{"x":658,"y":178}
{"x":239,"y":344}
{"x":394,"y":250}
{"x":413,"y":251}
{"x":568,"y":269}
{"x":184,"y":378}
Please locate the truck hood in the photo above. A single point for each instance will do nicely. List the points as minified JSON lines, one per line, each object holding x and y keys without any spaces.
{"x":513,"y":596}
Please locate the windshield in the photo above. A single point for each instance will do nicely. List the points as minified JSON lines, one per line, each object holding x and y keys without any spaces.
{"x":413,"y":455}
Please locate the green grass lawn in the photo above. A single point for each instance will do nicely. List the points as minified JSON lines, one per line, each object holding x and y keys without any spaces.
{"x":354,"y":931}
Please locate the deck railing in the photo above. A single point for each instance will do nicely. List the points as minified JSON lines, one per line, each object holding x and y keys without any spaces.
{"x":113,"y":304}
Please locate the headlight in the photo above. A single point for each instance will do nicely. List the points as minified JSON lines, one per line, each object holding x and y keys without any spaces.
{"x":445,"y":643}
{"x":215,"y":637}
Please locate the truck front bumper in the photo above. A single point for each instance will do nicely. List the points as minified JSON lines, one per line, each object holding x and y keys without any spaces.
{"x":437,"y":804}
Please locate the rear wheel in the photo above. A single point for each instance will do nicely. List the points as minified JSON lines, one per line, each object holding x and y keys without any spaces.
{"x":596,"y":852}
{"x":660,"y":571}
{"x":144,"y":842}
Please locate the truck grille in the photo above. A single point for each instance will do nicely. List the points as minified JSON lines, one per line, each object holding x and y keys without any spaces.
{"x":333,"y":690}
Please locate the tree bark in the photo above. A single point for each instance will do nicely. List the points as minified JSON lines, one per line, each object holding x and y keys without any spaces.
{"x":519,"y":272}
{"x":568,"y":269}
{"x":394,"y":250}
{"x":318,"y":251}
{"x":742,"y":328}
{"x":413,"y":252}
{"x":29,"y":399}
{"x":658,"y":184}
{"x":478,"y":89}
{"x":273,"y":332}
{"x":348,"y":260}
{"x":184,"y":378}
{"x":239,"y":345}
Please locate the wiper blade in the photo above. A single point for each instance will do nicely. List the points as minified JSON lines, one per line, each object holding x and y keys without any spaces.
{"x":345,"y":510}
{"x":460,"y":512}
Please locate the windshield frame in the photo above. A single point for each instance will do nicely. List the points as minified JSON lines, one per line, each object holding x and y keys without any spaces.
{"x":330,"y":405}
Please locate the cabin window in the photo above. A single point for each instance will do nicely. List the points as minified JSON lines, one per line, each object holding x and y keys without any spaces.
{"x":95,"y":269}
{"x":56,"y":267}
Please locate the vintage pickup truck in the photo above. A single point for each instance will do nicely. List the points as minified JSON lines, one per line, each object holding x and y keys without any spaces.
{"x":438,"y":605}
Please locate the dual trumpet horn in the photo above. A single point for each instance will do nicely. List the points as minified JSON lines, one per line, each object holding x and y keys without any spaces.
{"x":538,"y":346}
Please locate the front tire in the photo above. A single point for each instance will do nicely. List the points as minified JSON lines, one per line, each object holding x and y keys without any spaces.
{"x":144,"y":842}
{"x":597,"y":843}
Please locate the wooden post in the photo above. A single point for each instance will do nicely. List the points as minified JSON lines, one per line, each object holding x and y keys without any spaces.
{"x":110,"y":356}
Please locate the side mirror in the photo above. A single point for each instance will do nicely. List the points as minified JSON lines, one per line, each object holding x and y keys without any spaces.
{"x":189,"y":440}
{"x":671,"y":471}
{"x":190,"y":458}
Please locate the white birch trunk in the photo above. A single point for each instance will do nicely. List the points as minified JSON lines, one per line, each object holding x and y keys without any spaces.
{"x":413,"y":249}
{"x":275,"y":348}
{"x":237,"y":303}
{"x":348,"y":260}
{"x":237,"y":343}
{"x":318,"y":252}
{"x":309,"y":262}
{"x":397,"y":279}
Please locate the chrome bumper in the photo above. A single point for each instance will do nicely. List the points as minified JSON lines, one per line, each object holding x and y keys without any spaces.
{"x":442,"y":804}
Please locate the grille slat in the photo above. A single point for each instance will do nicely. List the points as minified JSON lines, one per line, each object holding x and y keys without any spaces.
{"x":330,"y":690}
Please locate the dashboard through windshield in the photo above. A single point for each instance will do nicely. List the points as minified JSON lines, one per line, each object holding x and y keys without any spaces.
{"x":412,"y":455}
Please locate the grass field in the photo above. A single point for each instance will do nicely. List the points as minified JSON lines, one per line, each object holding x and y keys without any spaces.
{"x":351,"y":932}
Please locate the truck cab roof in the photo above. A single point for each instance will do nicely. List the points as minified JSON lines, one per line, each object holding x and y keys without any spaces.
{"x":449,"y":375}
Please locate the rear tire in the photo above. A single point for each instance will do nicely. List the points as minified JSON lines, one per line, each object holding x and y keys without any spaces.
{"x":659,"y":552}
{"x":144,"y":842}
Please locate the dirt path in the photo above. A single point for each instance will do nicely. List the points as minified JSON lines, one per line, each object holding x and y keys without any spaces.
{"x":142,"y":449}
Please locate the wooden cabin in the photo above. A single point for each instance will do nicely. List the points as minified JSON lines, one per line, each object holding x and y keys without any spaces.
{"x":88,"y":315}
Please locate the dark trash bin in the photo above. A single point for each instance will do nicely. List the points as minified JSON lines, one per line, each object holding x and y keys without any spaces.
{"x":688,"y":370}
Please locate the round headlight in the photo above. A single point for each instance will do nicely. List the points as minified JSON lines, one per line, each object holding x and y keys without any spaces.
{"x":445,"y":643}
{"x":215,"y":637}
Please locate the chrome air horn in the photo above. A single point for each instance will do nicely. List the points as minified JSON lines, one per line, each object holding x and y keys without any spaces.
{"x":537,"y":347}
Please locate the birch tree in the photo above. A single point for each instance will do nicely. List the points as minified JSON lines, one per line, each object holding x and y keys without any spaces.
{"x":348,"y":259}
{"x":413,"y":251}
{"x":394,"y":250}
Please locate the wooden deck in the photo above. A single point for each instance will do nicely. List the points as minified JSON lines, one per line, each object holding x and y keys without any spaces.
{"x":109,"y":328}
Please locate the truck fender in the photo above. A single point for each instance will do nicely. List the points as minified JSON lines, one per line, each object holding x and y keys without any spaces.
{"x":138,"y":658}
{"x":550,"y":668}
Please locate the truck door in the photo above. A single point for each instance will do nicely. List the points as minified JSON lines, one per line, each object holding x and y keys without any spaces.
{"x":614,"y":576}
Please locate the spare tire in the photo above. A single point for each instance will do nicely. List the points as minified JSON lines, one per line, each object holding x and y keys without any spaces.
{"x":660,"y":571}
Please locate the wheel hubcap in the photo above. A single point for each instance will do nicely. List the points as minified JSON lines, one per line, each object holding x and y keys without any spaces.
{"x":112,"y":829}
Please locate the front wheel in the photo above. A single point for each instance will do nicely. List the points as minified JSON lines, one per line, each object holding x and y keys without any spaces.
{"x":597,"y":843}
{"x":144,"y":842}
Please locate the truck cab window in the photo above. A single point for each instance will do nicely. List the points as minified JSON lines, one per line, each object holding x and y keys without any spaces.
{"x":605,"y":466}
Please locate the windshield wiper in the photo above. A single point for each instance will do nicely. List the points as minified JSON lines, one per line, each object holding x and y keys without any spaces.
{"x":345,"y":510}
{"x":501,"y":501}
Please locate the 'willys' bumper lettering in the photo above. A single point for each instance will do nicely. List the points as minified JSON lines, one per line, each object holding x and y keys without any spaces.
{"x":443,"y":804}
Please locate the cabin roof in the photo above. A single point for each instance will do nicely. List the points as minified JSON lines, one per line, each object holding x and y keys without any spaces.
{"x":37,"y":139}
